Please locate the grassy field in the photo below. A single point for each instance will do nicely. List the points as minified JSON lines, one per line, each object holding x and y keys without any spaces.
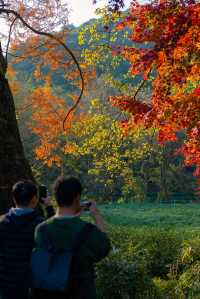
{"x":155,"y":252}
{"x":179,"y":216}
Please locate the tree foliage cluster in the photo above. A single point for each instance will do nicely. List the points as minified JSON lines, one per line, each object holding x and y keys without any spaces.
{"x":147,"y":59}
{"x":171,"y":29}
{"x":114,"y":163}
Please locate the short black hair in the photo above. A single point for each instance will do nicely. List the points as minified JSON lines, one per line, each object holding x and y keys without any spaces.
{"x":66,"y":189}
{"x":23,"y":192}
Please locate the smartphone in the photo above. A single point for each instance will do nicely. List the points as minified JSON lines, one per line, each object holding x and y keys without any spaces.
{"x":85,"y":205}
{"x":42,"y":190}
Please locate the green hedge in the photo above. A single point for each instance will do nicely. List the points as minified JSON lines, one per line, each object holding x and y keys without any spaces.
{"x":150,"y":264}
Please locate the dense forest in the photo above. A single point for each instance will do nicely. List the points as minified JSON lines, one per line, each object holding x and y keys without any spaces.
{"x":113,"y":166}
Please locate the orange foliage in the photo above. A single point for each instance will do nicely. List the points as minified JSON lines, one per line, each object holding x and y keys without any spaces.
{"x":50,"y":60}
{"x":171,"y":29}
{"x":48,"y":111}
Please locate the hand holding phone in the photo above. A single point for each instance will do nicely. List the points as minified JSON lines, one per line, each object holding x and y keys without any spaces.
{"x":85,"y":205}
{"x":95,"y":213}
{"x":93,"y":209}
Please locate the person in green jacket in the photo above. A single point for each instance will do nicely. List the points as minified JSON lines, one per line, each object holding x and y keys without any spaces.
{"x":63,"y":229}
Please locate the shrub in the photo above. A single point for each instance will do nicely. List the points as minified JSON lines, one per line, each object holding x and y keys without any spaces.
{"x":189,"y":282}
{"x":190,"y":253}
{"x":166,"y":288}
{"x":150,"y":264}
{"x":119,"y":278}
{"x":159,"y":248}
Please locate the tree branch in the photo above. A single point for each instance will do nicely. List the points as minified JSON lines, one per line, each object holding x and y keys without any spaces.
{"x":49,"y":35}
{"x":140,"y":86}
{"x":9,"y":38}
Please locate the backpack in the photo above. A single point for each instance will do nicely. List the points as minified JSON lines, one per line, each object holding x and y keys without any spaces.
{"x":51,"y":266}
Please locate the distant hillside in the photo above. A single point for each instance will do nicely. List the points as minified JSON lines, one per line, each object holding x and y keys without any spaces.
{"x":28,"y":66}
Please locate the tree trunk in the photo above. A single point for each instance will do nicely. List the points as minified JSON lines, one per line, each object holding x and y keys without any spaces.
{"x":13,"y":164}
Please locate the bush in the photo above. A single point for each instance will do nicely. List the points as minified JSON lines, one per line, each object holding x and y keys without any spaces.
{"x":163,"y":248}
{"x":166,"y":288}
{"x":118,"y":277}
{"x":189,"y":282}
{"x":150,"y":264}
{"x":188,"y":270}
{"x":159,"y":249}
{"x":190,"y":253}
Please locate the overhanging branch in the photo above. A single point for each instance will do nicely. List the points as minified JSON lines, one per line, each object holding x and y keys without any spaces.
{"x":141,"y":85}
{"x":49,"y":35}
{"x":9,"y":38}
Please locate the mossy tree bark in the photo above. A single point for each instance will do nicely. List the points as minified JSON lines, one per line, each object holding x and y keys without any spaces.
{"x":13,"y":164}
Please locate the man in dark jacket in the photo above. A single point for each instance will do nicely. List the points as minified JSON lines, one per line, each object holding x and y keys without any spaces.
{"x":63,"y":229}
{"x":17,"y":239}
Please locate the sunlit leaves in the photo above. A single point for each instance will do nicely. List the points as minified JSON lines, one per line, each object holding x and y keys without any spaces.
{"x":99,"y":39}
{"x":111,"y":155}
{"x":172,"y":31}
{"x":46,"y":15}
{"x":46,"y":122}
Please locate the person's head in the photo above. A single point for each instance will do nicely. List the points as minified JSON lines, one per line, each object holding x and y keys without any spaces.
{"x":68,"y":192}
{"x":25,"y":194}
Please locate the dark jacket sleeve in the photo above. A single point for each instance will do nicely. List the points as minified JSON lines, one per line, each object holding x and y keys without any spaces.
{"x":98,"y":244}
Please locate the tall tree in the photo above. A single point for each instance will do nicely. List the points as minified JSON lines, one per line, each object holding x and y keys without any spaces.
{"x":13,"y":165}
{"x":171,"y":32}
{"x":24,"y":19}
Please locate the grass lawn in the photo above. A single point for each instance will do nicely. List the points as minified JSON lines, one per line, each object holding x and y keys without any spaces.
{"x":153,"y":215}
{"x":157,"y":243}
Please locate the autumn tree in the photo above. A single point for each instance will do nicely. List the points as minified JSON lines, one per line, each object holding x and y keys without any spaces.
{"x":100,"y":41}
{"x":170,"y":31}
{"x":26,"y":21}
{"x":105,"y":158}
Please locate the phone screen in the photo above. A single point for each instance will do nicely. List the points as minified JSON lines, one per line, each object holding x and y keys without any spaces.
{"x":85,"y":206}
